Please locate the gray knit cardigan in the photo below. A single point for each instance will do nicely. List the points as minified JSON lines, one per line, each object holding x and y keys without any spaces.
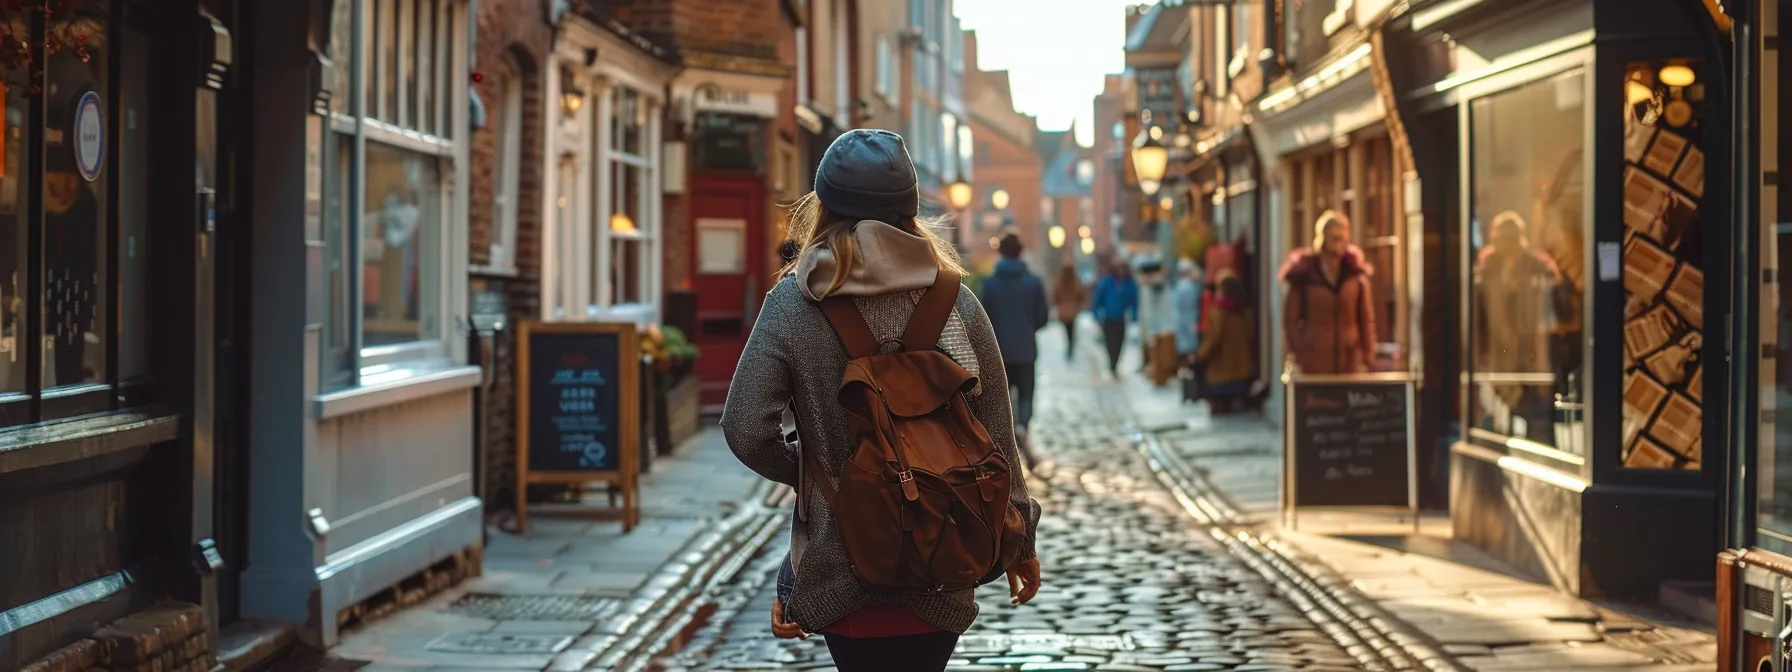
{"x":794,"y":356}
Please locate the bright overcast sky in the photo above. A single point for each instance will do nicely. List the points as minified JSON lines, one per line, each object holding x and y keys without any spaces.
{"x":1055,"y":51}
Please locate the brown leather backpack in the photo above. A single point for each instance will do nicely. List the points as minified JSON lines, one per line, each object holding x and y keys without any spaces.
{"x":922,"y":504}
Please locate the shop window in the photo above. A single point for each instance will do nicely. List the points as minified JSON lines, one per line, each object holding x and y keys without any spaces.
{"x":1664,"y":267}
{"x":1380,"y":241}
{"x":404,"y":214}
{"x":507,"y":121}
{"x":623,"y":248}
{"x":1527,"y":225}
{"x":843,"y":89}
{"x":968,"y":151}
{"x":74,"y":276}
{"x":886,"y":68}
{"x":388,"y":213}
{"x":1774,"y":366}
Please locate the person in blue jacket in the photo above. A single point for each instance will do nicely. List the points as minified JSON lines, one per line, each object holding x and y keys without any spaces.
{"x":1116,"y":302}
{"x":1014,"y":298}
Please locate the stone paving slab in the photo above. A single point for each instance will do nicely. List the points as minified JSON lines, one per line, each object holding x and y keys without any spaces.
{"x":681,"y":496}
{"x":1479,"y":610}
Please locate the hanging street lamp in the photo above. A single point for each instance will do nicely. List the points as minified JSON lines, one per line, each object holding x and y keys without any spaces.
{"x":1150,"y":157}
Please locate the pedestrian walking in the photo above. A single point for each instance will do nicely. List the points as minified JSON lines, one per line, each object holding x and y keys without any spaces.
{"x":1115,"y":302}
{"x":902,"y":412}
{"x":1015,"y":299}
{"x":1227,"y":351}
{"x":1189,"y":294}
{"x":1069,"y":296}
{"x":1330,"y":311}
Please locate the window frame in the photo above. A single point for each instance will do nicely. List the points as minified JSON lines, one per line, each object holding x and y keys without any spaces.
{"x":501,"y":248}
{"x":609,"y":161}
{"x":1547,"y":458}
{"x":373,"y":63}
{"x":886,"y":69}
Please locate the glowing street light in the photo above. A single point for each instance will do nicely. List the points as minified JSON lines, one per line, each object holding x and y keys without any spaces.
{"x":959,"y":194}
{"x":999,"y":199}
{"x":1088,"y":246}
{"x":1150,"y":158}
{"x":1055,"y":235}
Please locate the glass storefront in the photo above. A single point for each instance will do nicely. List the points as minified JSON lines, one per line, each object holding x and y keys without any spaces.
{"x":1773,"y":487}
{"x":1526,"y":233}
{"x":74,"y":281}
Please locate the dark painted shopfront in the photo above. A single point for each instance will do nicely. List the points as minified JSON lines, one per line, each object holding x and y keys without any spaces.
{"x":1755,"y":575}
{"x":1580,"y":234}
{"x":117,"y":327}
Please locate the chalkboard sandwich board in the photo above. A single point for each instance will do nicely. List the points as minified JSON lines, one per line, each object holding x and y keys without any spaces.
{"x":578,"y":416}
{"x":1349,"y":443}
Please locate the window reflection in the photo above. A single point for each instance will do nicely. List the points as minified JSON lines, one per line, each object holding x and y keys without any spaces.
{"x":403,"y":209}
{"x":1526,"y":232}
{"x":75,"y":178}
{"x":15,"y":152}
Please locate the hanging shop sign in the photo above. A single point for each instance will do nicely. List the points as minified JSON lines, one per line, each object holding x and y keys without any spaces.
{"x":713,"y":97}
{"x":578,"y":418}
{"x":90,"y":136}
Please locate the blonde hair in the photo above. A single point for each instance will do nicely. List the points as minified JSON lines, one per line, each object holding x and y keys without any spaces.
{"x":810,"y":226}
{"x":1326,"y":220}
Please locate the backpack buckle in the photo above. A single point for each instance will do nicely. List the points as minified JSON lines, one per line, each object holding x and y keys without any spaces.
{"x":906,"y":479}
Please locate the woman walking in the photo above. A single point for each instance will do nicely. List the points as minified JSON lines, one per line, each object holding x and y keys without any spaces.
{"x":1227,"y":352}
{"x":864,"y":255}
{"x":1069,"y":296}
{"x":1116,"y":301}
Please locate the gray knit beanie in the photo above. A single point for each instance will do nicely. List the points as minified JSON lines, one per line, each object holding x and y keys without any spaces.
{"x":867,"y":174}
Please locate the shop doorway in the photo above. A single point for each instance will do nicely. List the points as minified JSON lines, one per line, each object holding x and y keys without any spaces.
{"x":728,"y":223}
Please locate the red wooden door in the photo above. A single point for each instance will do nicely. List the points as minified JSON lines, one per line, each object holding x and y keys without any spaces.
{"x":727,"y":226}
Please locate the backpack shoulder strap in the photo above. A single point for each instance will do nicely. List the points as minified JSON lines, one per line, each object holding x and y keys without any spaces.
{"x":932,"y":313}
{"x":813,"y":466}
{"x":849,"y":324}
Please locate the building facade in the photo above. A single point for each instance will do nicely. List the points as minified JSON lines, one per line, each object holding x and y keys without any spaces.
{"x":1115,"y":198}
{"x":1067,"y":204}
{"x":1007,"y":170}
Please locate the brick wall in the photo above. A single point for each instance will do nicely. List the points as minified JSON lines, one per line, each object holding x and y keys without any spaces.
{"x":517,"y":30}
{"x":689,"y":25}
{"x":1004,"y":163}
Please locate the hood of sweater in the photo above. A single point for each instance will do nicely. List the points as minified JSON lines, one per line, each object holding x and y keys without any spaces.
{"x":1303,"y":266}
{"x":1011,"y":268}
{"x":890,"y":260}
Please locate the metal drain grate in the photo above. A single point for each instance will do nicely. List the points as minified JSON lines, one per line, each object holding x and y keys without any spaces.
{"x":535,"y":607}
{"x":497,"y":643}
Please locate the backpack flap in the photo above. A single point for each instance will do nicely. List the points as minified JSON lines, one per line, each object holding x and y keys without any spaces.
{"x":910,"y":384}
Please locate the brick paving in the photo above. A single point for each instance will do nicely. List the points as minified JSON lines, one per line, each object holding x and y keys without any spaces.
{"x":1129,"y":582}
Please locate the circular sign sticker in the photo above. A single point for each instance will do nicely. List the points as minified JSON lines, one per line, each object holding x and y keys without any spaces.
{"x":90,"y":136}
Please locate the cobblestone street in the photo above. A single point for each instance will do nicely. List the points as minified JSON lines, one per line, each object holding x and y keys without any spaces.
{"x":1131,"y":582}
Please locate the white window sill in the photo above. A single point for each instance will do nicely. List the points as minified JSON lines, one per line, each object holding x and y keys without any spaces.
{"x":396,"y":387}
{"x":639,"y":313}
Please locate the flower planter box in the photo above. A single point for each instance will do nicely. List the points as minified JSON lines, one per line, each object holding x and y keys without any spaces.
{"x":681,"y":411}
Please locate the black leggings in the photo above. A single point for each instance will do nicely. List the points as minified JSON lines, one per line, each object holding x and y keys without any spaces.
{"x":909,"y":653}
{"x":1115,"y":335}
{"x":1069,"y":339}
